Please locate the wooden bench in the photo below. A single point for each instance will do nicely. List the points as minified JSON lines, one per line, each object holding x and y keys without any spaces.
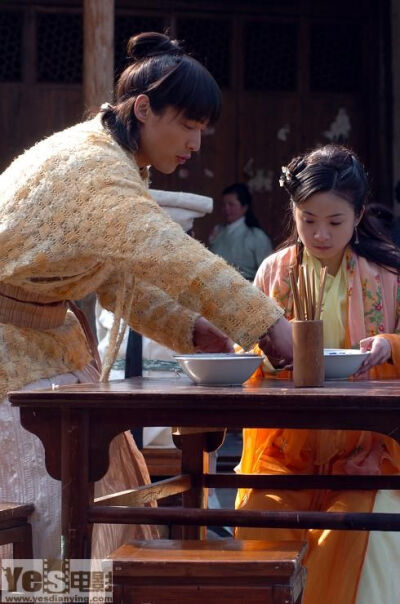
{"x":15,"y":528}
{"x":162,"y":461}
{"x":166,"y":461}
{"x":218,"y":571}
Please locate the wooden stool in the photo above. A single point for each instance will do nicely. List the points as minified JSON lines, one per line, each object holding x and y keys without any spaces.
{"x":15,"y":528}
{"x":221,"y":571}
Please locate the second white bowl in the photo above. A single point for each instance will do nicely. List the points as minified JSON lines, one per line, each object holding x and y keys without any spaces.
{"x":341,"y":363}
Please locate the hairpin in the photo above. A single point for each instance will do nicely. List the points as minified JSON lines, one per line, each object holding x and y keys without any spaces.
{"x":285,"y":176}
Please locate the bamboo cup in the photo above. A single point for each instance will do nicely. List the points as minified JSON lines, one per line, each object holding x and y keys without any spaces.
{"x":308,"y":354}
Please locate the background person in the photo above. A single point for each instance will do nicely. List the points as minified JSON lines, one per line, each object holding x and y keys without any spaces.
{"x":333,"y":227}
{"x":240,"y":239}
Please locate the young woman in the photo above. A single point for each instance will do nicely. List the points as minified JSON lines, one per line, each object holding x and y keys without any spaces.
{"x":333,"y":226}
{"x":76,"y":218}
{"x":240,"y":240}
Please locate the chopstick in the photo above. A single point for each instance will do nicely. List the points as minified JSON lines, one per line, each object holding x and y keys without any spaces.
{"x":322,"y":281}
{"x":307,"y":294}
{"x":303,"y":292}
{"x":298,"y":313}
{"x":314,"y":294}
{"x":310,"y":301}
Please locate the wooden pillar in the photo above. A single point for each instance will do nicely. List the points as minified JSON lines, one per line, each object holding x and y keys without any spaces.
{"x":396,"y":102}
{"x":98,"y":52}
{"x":98,"y":79}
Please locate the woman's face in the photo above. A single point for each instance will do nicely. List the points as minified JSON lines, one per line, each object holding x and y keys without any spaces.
{"x":232,"y":209}
{"x":325,"y":224}
{"x":168,"y":140}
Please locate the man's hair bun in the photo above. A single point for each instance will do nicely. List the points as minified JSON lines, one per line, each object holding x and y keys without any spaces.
{"x":151,"y":44}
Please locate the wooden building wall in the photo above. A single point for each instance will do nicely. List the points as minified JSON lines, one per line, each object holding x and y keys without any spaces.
{"x":294,"y":74}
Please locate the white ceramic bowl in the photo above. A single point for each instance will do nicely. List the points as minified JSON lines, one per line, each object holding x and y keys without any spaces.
{"x":218,"y":369}
{"x":340,"y":363}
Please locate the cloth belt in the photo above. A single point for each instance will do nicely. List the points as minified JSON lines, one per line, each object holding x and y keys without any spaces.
{"x":36,"y":311}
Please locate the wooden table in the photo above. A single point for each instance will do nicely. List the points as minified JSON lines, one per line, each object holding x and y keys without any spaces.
{"x":76,"y":424}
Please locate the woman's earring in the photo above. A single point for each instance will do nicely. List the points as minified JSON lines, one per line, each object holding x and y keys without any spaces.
{"x":356,"y":239}
{"x":298,"y":239}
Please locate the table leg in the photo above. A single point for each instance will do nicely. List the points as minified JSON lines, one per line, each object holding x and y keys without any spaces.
{"x":77,"y":492}
{"x":194,"y":462}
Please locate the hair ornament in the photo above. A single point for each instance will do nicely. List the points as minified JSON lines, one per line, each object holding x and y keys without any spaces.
{"x":285,"y":176}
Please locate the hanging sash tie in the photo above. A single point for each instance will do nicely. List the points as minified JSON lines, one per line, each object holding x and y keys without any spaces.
{"x":35,"y":311}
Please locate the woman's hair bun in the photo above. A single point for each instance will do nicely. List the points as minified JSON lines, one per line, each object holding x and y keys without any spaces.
{"x":151,"y":44}
{"x":297,"y":164}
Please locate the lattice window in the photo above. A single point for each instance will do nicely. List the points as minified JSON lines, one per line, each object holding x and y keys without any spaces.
{"x":270,"y":56}
{"x":127,"y":26}
{"x":11,"y":23}
{"x":336,"y":57}
{"x":208,"y":40}
{"x":59,"y":47}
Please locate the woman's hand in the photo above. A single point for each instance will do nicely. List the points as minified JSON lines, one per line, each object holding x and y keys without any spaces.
{"x":381,"y":351}
{"x":277,"y":343}
{"x":208,"y":338}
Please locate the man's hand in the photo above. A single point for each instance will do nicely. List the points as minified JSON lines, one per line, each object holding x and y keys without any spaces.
{"x":277,"y":343}
{"x":208,"y":338}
